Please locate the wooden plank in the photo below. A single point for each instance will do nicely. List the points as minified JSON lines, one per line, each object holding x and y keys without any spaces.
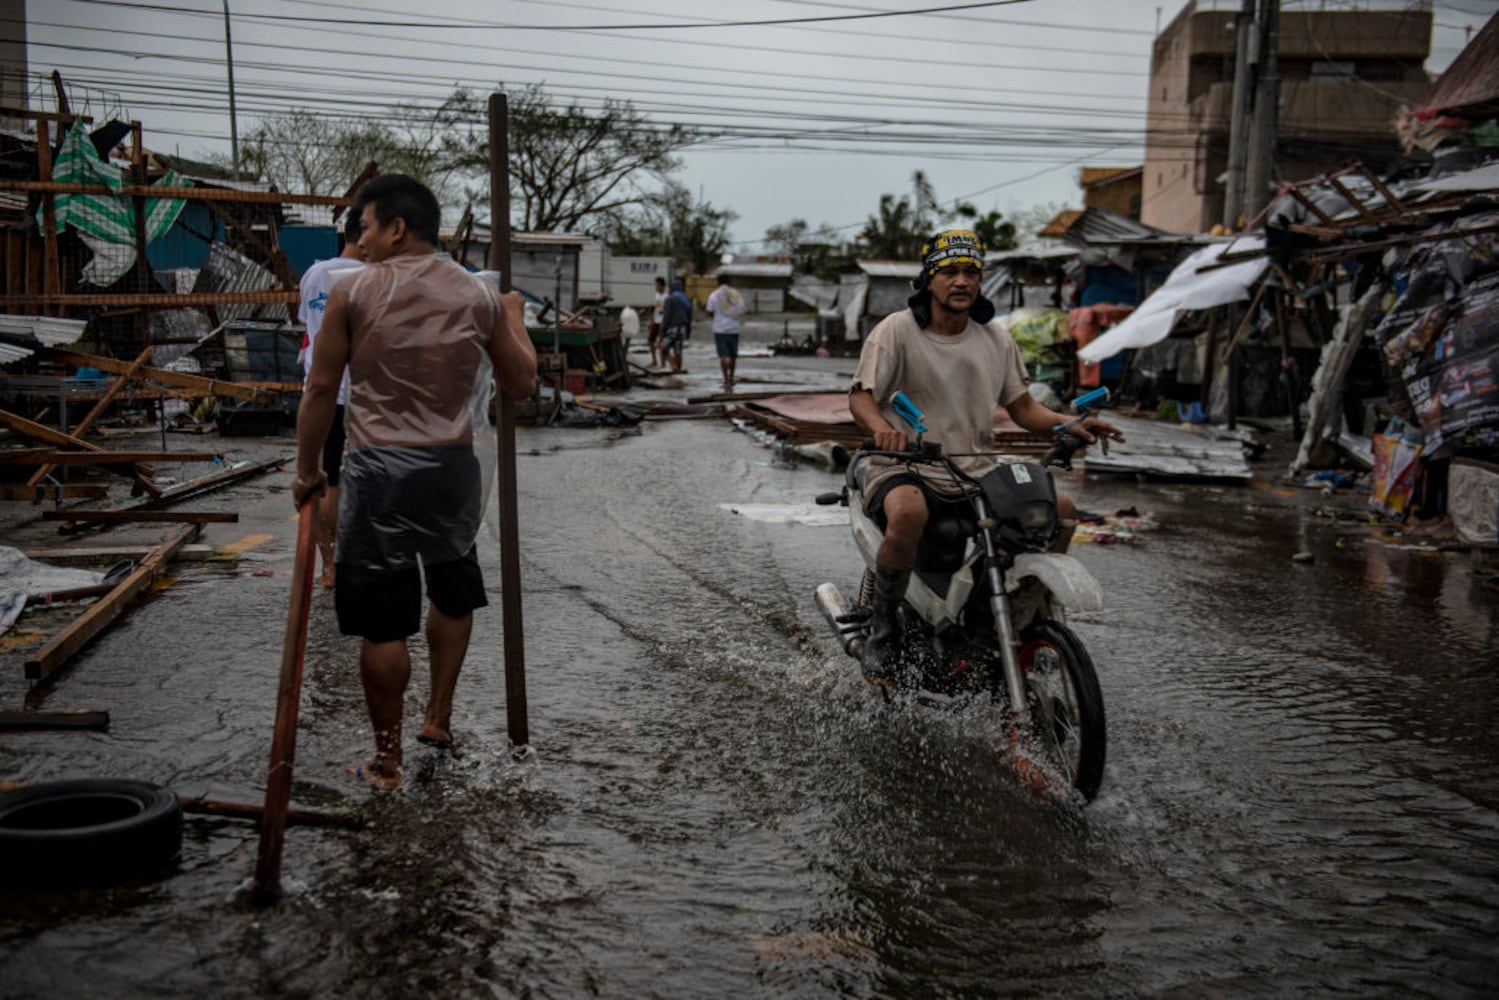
{"x":205,"y":386}
{"x":53,"y":491}
{"x":202,"y":805}
{"x":41,"y":432}
{"x":101,"y":555}
{"x":54,"y":457}
{"x":254,"y":811}
{"x":158,"y":300}
{"x":16,"y":720}
{"x":24,"y":456}
{"x":191,"y":489}
{"x":143,"y":516}
{"x":61,"y":647}
{"x":182,"y":193}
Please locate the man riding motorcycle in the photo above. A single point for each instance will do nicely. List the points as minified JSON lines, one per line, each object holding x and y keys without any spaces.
{"x":944,"y":353}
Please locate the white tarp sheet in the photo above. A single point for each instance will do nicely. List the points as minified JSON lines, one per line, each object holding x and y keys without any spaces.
{"x":1184,"y":289}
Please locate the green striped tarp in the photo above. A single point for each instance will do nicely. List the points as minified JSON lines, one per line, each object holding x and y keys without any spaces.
{"x":108,"y":217}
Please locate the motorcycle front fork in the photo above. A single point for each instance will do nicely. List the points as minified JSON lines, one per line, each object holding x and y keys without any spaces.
{"x":1004,"y":629}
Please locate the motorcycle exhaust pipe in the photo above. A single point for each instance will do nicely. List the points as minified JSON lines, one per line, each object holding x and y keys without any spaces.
{"x":849,"y":629}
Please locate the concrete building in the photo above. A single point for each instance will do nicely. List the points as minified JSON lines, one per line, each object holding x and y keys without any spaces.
{"x":14,"y":79}
{"x":1345,"y":72}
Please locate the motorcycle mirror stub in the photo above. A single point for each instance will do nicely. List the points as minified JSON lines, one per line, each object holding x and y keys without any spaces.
{"x":1097,"y":398}
{"x":907,"y":411}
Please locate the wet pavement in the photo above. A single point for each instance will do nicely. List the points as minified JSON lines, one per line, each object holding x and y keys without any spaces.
{"x":1301,"y":790}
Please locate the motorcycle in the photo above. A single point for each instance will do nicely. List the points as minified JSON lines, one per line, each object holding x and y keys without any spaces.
{"x":985,"y":612}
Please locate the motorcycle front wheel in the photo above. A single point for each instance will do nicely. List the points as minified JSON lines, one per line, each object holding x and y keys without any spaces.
{"x":1065,"y":702}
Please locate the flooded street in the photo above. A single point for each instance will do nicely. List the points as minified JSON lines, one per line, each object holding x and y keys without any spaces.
{"x":1301,"y":791}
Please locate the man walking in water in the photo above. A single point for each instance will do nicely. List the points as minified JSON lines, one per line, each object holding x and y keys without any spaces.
{"x":317,"y":282}
{"x":727,"y":306}
{"x":420,"y":336}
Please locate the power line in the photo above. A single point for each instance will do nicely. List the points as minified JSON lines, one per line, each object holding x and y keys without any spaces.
{"x":302,"y":19}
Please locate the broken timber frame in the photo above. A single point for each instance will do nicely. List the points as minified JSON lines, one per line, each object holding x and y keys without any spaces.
{"x":61,"y":647}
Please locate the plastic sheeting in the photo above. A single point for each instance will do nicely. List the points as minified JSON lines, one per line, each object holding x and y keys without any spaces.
{"x":1186,"y":288}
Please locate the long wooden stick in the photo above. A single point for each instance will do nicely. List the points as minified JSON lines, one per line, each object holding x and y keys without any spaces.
{"x":288,"y":696}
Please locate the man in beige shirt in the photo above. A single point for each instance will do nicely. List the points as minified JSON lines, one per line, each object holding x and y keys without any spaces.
{"x":944,"y":354}
{"x":421,"y":337}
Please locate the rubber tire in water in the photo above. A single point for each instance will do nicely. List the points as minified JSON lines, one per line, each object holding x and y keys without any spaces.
{"x":1065,"y":701}
{"x":87,"y":831}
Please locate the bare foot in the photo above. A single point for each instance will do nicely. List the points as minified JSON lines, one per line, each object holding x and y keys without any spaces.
{"x":378,"y":776}
{"x":433,"y":735}
{"x":325,"y":549}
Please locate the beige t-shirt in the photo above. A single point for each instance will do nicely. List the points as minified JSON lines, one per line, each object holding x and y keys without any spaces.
{"x":955,"y":381}
{"x":419,"y":329}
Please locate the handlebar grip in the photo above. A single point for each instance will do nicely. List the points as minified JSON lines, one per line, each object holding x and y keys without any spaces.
{"x":867,"y":445}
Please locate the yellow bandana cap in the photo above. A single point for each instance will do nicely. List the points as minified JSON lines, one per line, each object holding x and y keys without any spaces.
{"x":952,"y":246}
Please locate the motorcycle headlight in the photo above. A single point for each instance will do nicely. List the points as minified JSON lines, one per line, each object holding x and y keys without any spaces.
{"x":1036,"y":516}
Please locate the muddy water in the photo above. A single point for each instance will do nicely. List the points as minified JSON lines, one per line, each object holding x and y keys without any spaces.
{"x":1300,"y":795}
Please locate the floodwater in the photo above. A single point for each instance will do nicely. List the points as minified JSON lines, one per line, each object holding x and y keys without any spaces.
{"x":1301,"y":791}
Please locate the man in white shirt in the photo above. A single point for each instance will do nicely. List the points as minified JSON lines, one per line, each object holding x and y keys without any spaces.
{"x":726,"y":305}
{"x":654,"y":337}
{"x":317,"y":282}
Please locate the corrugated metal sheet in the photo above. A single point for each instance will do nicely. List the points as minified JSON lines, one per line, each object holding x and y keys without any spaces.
{"x":48,"y":330}
{"x":890,"y":268}
{"x":11,"y":353}
{"x":1100,"y":227}
{"x":1029,"y":253}
{"x":1471,"y":83}
{"x":756,"y":269}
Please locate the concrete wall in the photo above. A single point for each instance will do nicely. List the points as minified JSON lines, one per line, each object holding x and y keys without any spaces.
{"x":1344,"y":75}
{"x":13,"y":67}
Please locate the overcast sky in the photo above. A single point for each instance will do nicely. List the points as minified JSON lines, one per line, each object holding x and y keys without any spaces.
{"x":999,"y":103}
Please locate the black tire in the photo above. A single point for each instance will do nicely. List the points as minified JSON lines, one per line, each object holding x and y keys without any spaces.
{"x":87,"y":831}
{"x":1065,"y":702}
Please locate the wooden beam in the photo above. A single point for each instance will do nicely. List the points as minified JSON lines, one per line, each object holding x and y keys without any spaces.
{"x":53,"y":457}
{"x":24,"y":456}
{"x":52,"y":491}
{"x":28,"y":114}
{"x":61,"y":647}
{"x":184,"y":491}
{"x":202,"y":805}
{"x":204,"y":386}
{"x":176,"y":193}
{"x":156,"y":300}
{"x":16,"y":720}
{"x":254,"y":811}
{"x":133,"y":516}
{"x":104,"y":401}
{"x":104,"y":555}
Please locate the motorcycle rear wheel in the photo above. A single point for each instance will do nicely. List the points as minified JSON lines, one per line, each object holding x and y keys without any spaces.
{"x":1065,"y":702}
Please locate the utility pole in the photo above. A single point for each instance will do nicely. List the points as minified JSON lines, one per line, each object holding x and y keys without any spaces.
{"x":1260,"y":169}
{"x":233,"y":122}
{"x":511,"y":621}
{"x":1239,"y":114}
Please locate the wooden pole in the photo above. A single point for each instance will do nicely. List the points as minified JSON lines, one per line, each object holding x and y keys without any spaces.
{"x":284,"y":739}
{"x":510,"y":606}
{"x":51,"y":265}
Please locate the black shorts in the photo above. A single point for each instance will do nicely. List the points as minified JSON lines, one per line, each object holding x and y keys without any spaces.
{"x":383,"y":605}
{"x":333,"y":447}
{"x":875,"y":507}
